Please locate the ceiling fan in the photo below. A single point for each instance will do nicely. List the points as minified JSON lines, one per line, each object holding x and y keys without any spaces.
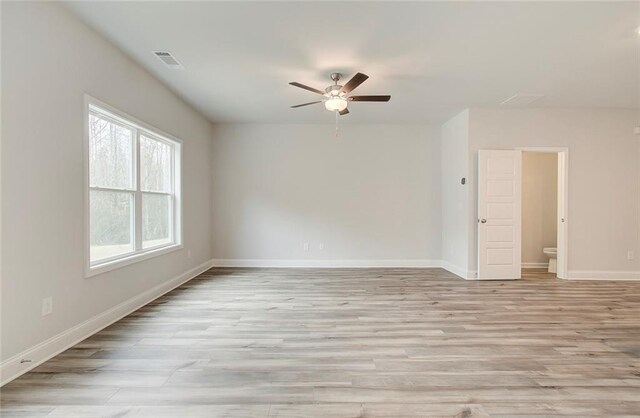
{"x":336,"y":97}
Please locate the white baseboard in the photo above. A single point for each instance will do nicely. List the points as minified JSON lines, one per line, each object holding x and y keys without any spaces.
{"x":457,"y":270}
{"x":13,"y":368}
{"x":603,"y":275}
{"x":535,"y":265}
{"x":326,"y":263}
{"x":283,"y":263}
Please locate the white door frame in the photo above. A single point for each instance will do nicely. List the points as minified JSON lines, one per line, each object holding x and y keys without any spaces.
{"x":563,"y":204}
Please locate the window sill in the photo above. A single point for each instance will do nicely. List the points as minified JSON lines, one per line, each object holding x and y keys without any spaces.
{"x":126,"y":261}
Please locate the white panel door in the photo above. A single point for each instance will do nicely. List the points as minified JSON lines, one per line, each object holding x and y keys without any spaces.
{"x":499,"y":214}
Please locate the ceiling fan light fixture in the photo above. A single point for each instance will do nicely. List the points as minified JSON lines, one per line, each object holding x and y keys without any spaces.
{"x":336,"y":97}
{"x":336,"y":104}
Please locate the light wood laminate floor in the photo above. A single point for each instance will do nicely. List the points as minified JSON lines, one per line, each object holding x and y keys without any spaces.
{"x":353,"y":343}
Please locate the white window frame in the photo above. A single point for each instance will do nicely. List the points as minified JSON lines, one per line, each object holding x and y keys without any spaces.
{"x":139,"y":128}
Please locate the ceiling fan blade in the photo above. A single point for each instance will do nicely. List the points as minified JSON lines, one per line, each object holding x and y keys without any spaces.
{"x":370,"y":98}
{"x":355,"y":81}
{"x":302,"y":86}
{"x":306,"y":104}
{"x":344,"y":112}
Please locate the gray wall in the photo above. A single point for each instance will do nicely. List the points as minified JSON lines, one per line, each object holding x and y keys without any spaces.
{"x":373,"y":193}
{"x":455,"y":195}
{"x":49,"y":60}
{"x":604,"y":158}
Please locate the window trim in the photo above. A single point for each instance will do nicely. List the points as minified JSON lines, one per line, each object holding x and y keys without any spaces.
{"x":121,"y":118}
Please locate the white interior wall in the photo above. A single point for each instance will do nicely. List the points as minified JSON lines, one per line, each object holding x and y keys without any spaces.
{"x":455,"y":195}
{"x":371,"y":196}
{"x":539,"y":206}
{"x":49,"y":60}
{"x":603,"y":213}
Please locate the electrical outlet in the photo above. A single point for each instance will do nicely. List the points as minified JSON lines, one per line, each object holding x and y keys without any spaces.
{"x":321,"y":246}
{"x":305,"y":246}
{"x":630,"y":255}
{"x":47,"y":306}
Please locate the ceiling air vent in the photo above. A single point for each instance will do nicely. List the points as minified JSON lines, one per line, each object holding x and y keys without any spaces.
{"x":168,"y":60}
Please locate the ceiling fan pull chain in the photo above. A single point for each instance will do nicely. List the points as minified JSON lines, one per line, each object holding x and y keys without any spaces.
{"x":336,"y":112}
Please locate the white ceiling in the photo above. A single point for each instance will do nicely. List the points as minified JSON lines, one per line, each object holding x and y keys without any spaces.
{"x":434,"y":58}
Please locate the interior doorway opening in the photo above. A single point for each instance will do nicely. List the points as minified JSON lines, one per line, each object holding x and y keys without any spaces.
{"x":544,"y":208}
{"x":539,"y":213}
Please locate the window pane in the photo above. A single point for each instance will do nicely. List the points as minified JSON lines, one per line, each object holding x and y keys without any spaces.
{"x":110,"y":154}
{"x":155,"y":165}
{"x":156,"y":220}
{"x":111,"y":224}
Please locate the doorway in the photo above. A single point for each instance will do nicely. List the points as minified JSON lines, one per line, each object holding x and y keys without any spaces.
{"x":539,"y":214}
{"x":500,"y":210}
{"x":559,"y":196}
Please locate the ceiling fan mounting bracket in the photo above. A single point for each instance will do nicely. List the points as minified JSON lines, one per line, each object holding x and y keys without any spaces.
{"x":334,"y":90}
{"x":336,"y":77}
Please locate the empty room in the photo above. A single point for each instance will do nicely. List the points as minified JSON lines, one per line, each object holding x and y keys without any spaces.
{"x":320,"y":209}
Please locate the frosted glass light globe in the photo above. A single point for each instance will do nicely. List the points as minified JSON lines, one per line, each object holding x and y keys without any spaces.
{"x":336,"y":104}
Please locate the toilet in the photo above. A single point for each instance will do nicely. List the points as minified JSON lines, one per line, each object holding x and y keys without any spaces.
{"x":552,"y":253}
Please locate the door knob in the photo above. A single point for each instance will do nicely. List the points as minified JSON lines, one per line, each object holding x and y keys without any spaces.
{"x":484,"y":221}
